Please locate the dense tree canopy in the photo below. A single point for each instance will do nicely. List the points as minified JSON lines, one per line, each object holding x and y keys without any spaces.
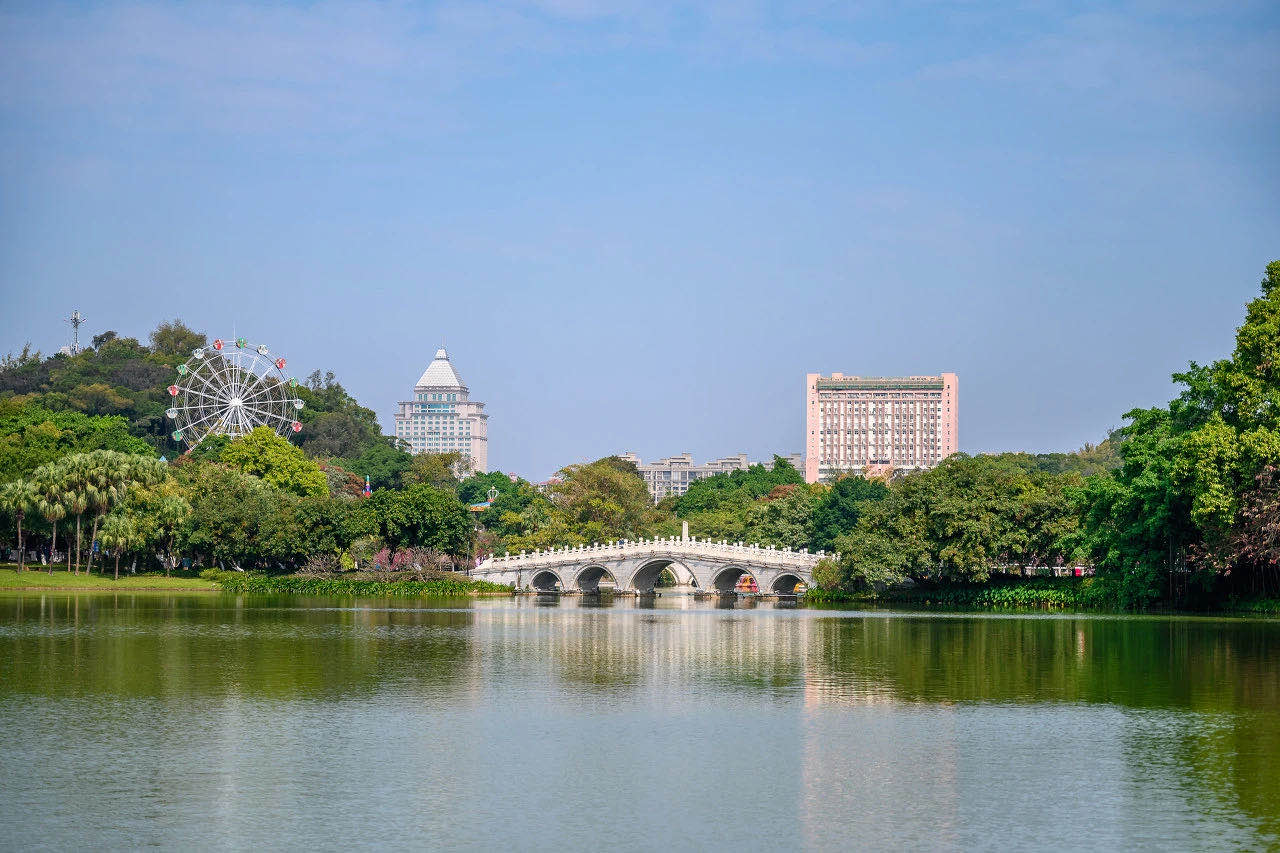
{"x":962,"y":520}
{"x":270,"y":457}
{"x":31,"y":435}
{"x":1171,"y":513}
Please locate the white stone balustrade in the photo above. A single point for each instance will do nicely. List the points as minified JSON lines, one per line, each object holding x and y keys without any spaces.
{"x":700,"y":563}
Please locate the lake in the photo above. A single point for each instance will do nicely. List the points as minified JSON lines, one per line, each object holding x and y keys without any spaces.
{"x":221,"y":721}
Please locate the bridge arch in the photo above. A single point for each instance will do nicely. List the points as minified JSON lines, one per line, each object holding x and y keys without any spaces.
{"x":545,"y":580}
{"x":644,"y":578}
{"x":785,"y":583}
{"x":589,"y":578}
{"x":726,"y":579}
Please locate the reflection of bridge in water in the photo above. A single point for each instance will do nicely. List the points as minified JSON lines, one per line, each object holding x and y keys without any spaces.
{"x":634,"y":567}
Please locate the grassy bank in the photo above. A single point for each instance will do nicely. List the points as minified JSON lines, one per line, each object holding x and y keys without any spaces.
{"x":454,"y":585}
{"x":10,"y":578}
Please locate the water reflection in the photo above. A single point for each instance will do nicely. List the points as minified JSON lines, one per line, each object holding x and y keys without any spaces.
{"x":491,"y":720}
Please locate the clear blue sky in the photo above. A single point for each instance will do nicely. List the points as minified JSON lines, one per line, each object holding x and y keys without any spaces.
{"x":638,"y":224}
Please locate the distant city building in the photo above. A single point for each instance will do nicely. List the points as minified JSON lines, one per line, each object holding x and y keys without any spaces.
{"x":673,"y":475}
{"x":441,"y":417}
{"x":870,"y":425}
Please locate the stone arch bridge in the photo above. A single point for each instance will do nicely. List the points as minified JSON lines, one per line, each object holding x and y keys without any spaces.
{"x":634,"y":567}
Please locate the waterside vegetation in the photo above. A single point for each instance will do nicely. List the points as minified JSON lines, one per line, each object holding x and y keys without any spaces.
{"x":1178,"y":508}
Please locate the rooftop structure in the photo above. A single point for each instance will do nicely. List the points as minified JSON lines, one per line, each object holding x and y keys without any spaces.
{"x":872,"y":425}
{"x":442,"y":417}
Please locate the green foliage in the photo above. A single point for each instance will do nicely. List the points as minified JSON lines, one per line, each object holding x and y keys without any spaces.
{"x":382,"y":462}
{"x":838,"y":510}
{"x":475,"y":488}
{"x":234,"y":517}
{"x":176,"y":340}
{"x":436,"y":469}
{"x":419,"y":516}
{"x":295,"y":585}
{"x":602,"y":501}
{"x":736,"y":489}
{"x":210,"y":449}
{"x":270,"y":457}
{"x":1008,"y":594}
{"x":31,"y":436}
{"x":959,"y":521}
{"x":334,"y":424}
{"x":1168,"y":520}
{"x":784,"y":518}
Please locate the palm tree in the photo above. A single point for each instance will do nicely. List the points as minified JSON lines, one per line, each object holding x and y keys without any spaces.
{"x":114,"y":475}
{"x":81,"y":491}
{"x":118,"y":533}
{"x":107,"y":473}
{"x":18,"y":497}
{"x":172,"y":512}
{"x":49,"y":503}
{"x":77,"y":502}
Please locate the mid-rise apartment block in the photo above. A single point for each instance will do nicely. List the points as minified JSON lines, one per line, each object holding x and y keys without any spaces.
{"x":870,"y":425}
{"x":674,"y":475}
{"x":442,"y":417}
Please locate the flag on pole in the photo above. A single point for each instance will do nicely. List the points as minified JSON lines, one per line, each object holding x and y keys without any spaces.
{"x":368,"y":490}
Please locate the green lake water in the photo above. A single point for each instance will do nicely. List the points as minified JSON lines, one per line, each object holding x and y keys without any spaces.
{"x":188,"y":721}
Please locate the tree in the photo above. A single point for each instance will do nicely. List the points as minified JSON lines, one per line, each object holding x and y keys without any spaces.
{"x":437,"y":469}
{"x":1255,"y":543}
{"x":1172,"y":511}
{"x":736,"y":488}
{"x":176,"y":340}
{"x":960,"y":521}
{"x":784,"y":518}
{"x":334,"y":423}
{"x":119,"y":534}
{"x":17,"y":498}
{"x":31,"y":436}
{"x":50,"y":502}
{"x":382,"y":462}
{"x":231,"y":514}
{"x":336,"y":434}
{"x":264,"y":454}
{"x":475,"y":488}
{"x":419,"y":516}
{"x":603,"y":500}
{"x":210,"y":448}
{"x":839,"y":508}
{"x":111,"y":475}
{"x":76,"y":487}
{"x":11,"y":363}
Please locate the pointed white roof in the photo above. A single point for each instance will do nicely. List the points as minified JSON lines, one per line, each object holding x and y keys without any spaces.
{"x":440,"y":373}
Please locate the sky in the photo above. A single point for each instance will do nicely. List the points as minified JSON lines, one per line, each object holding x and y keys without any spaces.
{"x":637,"y":224}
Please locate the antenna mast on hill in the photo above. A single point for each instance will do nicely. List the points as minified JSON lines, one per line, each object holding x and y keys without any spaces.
{"x":76,"y":319}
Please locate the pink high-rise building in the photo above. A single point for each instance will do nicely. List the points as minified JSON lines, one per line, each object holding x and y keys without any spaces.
{"x":869,"y":425}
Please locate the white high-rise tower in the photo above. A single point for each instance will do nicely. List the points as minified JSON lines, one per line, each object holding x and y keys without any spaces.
{"x":441,"y":417}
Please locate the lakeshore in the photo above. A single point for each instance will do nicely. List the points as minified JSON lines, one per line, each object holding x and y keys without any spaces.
{"x":1068,"y":595}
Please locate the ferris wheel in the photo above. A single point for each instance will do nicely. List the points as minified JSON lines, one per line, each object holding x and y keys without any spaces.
{"x":230,"y":388}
